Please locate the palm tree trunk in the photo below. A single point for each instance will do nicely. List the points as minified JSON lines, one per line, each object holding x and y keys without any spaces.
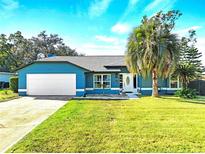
{"x":154,"y":83}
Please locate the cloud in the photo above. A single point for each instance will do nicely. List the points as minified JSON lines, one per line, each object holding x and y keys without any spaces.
{"x":131,"y":7}
{"x":201,"y":46}
{"x":121,"y":28}
{"x":153,"y":4}
{"x":98,"y":7}
{"x":107,"y":39}
{"x":9,"y":4}
{"x":184,"y":32}
{"x":158,"y":5}
{"x":7,"y":7}
{"x":96,"y":49}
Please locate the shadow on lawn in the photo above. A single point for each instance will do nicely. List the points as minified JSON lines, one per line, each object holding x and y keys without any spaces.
{"x":194,"y":101}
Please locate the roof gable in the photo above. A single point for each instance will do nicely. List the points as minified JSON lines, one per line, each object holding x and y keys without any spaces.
{"x":91,"y":63}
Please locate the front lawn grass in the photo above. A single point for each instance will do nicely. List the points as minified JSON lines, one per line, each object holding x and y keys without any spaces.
{"x":7,"y":95}
{"x":166,"y":124}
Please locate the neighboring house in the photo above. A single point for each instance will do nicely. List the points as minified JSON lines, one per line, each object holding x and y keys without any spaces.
{"x":4,"y":79}
{"x":80,"y":75}
{"x":203,"y":76}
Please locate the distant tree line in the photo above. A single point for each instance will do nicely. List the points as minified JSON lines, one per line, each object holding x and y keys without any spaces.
{"x":17,"y":51}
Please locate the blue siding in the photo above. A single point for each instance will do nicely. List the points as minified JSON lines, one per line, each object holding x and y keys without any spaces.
{"x":89,"y":80}
{"x":147,"y":82}
{"x":161,"y":92}
{"x":102,"y":91}
{"x":114,"y":80}
{"x":84,"y":79}
{"x":114,"y":84}
{"x":5,"y":77}
{"x":163,"y":82}
{"x":146,"y":92}
{"x":50,"y":68}
{"x":124,"y":70}
{"x":22,"y":93}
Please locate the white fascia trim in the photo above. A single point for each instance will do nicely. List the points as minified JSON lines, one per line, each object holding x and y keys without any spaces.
{"x":115,"y":88}
{"x":163,"y":88}
{"x":102,"y":88}
{"x":22,"y":90}
{"x":80,"y":90}
{"x":89,"y":88}
{"x":146,"y":88}
{"x":173,"y":88}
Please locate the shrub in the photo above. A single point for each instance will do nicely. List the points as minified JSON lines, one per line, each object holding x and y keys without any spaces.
{"x":13,"y":84}
{"x":6,"y":92}
{"x":186,"y":93}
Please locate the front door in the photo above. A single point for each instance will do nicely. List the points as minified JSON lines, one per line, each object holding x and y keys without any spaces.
{"x":127,"y":82}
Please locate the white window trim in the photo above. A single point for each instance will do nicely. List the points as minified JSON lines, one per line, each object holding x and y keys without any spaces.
{"x":178,"y":83}
{"x":102,"y":81}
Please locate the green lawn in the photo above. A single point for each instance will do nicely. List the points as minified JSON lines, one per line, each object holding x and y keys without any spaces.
{"x":7,"y":95}
{"x":166,"y":124}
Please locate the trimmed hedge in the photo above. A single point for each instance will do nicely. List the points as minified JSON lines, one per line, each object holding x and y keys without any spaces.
{"x":13,"y":84}
{"x":186,"y":93}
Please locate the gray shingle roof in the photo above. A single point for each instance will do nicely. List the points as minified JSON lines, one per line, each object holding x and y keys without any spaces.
{"x":92,"y":63}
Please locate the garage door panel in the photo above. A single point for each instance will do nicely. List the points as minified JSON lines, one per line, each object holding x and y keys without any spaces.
{"x":55,"y":84}
{"x":51,"y":84}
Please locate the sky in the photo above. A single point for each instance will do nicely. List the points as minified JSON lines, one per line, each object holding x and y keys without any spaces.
{"x":97,"y":27}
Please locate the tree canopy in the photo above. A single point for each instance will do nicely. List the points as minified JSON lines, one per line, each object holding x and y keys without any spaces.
{"x":189,"y":66}
{"x":17,"y":51}
{"x":153,"y":48}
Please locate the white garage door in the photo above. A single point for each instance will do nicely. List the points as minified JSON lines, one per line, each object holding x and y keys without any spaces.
{"x":51,"y":84}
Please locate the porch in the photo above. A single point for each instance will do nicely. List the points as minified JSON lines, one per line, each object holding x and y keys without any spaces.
{"x":131,"y":84}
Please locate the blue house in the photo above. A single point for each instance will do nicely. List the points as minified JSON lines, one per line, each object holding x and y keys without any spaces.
{"x":81,"y":75}
{"x":4,"y":79}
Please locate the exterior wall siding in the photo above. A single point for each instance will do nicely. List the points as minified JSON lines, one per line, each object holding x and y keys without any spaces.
{"x":5,"y":77}
{"x":161,"y":92}
{"x":124,"y":70}
{"x":147,"y":82}
{"x":102,"y":91}
{"x":84,"y":79}
{"x":114,"y":84}
{"x":145,"y":86}
{"x":52,"y":68}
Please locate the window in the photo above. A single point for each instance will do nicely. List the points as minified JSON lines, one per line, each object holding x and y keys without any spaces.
{"x":102,"y":81}
{"x":97,"y":81}
{"x":121,"y":81}
{"x":174,"y":82}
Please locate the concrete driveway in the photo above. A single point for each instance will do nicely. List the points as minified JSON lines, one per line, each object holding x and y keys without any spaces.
{"x":18,"y":117}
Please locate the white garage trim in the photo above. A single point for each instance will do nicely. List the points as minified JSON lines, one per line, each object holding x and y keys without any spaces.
{"x":51,"y":84}
{"x":89,"y":88}
{"x":115,"y":88}
{"x":79,"y":90}
{"x":22,"y":90}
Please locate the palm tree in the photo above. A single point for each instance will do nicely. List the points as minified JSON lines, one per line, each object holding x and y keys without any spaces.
{"x":186,"y":72}
{"x":152,"y":48}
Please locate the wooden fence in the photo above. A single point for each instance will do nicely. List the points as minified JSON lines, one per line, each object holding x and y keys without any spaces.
{"x":199,"y":85}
